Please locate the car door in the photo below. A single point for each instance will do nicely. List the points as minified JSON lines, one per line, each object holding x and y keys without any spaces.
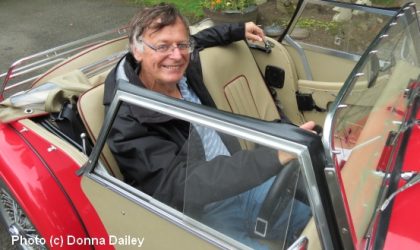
{"x":322,"y":45}
{"x":134,"y":217}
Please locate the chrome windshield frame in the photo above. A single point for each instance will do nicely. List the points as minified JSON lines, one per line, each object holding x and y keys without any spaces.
{"x":340,"y":203}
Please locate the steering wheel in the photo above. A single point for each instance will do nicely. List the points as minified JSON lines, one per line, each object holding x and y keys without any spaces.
{"x":279,"y":196}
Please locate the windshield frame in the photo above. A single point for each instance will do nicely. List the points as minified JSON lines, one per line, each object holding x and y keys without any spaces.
{"x":341,"y":206}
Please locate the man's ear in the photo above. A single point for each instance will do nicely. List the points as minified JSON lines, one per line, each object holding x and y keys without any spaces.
{"x":137,"y":51}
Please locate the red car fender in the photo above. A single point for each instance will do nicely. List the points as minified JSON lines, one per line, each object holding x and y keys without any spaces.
{"x":403,"y":227}
{"x":62,"y":169}
{"x":37,"y":192}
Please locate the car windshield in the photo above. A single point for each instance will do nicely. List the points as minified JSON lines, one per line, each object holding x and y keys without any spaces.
{"x":370,"y":114}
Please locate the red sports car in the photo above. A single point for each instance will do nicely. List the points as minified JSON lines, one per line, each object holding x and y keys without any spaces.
{"x":354,"y":68}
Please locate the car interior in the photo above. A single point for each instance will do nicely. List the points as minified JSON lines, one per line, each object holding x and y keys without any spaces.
{"x":242,"y":89}
{"x":252,"y":80}
{"x":240,"y":79}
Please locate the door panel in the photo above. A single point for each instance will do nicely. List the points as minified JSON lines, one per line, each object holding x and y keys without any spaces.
{"x":323,"y":94}
{"x":123,"y":218}
{"x":325,"y":67}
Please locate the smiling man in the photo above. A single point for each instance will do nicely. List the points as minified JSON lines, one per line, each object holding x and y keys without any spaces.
{"x":151,"y":149}
{"x":163,"y":63}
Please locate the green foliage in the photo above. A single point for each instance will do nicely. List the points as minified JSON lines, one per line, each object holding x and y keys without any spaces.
{"x":192,"y":9}
{"x":329,"y":26}
{"x":219,"y":5}
{"x":386,"y":3}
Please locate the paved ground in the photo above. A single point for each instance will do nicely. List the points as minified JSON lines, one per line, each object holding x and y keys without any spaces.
{"x":27,"y":27}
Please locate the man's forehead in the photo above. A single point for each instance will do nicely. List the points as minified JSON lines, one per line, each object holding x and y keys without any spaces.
{"x":168,"y":30}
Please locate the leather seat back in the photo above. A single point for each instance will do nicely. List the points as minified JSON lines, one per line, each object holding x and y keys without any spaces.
{"x":234,"y":81}
{"x":92,"y":113}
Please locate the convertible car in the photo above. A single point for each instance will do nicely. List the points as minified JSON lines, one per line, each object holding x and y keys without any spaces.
{"x":353,"y":68}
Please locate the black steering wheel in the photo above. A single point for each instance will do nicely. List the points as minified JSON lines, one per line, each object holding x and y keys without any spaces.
{"x":279,"y":196}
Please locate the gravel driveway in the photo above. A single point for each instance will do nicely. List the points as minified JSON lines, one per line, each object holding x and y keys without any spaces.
{"x":28,"y":27}
{"x":32,"y":26}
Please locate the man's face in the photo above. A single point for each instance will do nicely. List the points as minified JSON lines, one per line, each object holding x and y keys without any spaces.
{"x":163,"y":68}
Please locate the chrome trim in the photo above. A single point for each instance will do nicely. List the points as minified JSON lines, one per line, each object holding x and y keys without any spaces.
{"x":315,"y":202}
{"x":330,"y":52}
{"x":339,"y":209}
{"x":161,"y":104}
{"x":9,"y":87}
{"x":265,"y":225}
{"x":397,"y":122}
{"x":53,"y":56}
{"x":51,"y":148}
{"x":299,"y":244}
{"x":302,"y":55}
{"x":292,"y":25}
{"x":209,"y":121}
{"x":352,"y":6}
{"x":408,"y":175}
{"x":414,"y":181}
{"x":102,"y":65}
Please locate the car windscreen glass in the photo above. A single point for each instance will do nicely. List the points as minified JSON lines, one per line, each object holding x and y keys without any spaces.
{"x":370,"y":115}
{"x":239,"y":189}
{"x":275,"y":16}
{"x":346,"y":28}
{"x":378,"y":3}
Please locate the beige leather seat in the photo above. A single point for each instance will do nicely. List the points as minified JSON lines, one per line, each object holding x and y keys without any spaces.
{"x":92,"y":113}
{"x":234,"y":81}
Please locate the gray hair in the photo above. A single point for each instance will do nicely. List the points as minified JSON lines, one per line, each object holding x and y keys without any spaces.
{"x":153,"y":18}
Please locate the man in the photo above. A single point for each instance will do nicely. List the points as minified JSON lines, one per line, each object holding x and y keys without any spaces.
{"x":152,"y":149}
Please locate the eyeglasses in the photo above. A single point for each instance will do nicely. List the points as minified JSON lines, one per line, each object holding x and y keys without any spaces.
{"x":165,"y":48}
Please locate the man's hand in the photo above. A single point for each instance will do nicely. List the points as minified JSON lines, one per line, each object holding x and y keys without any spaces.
{"x":253,"y":32}
{"x":285,"y":157}
{"x":308,"y":126}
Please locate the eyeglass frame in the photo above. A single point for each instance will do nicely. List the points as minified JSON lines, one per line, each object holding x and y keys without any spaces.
{"x":169,"y":48}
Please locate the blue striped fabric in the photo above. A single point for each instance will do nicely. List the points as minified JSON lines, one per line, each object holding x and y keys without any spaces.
{"x":212,"y":143}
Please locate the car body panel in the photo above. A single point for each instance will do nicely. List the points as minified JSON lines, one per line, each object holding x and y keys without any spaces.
{"x":151,"y":230}
{"x":92,"y":55}
{"x":62,"y":163}
{"x":36,"y":197}
{"x":403,"y":230}
{"x":45,"y":170}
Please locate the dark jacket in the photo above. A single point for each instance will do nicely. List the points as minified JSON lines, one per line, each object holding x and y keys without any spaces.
{"x":152,"y":148}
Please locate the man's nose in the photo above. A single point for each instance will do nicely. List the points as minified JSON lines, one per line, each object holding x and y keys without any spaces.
{"x":176,"y":53}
